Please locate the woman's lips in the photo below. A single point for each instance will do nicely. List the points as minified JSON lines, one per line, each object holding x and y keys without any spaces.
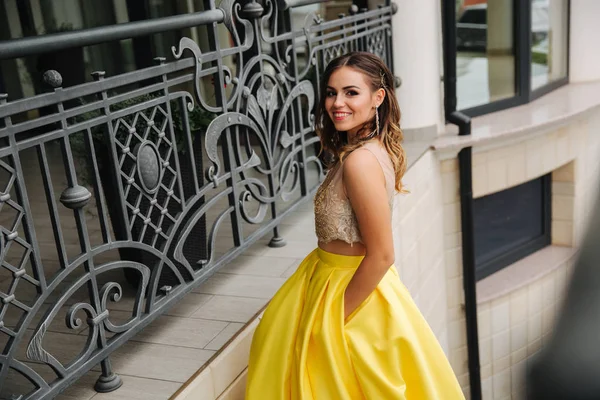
{"x":340,"y":116}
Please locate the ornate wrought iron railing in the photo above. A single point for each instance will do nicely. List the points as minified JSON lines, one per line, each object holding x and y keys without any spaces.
{"x":121,"y":176}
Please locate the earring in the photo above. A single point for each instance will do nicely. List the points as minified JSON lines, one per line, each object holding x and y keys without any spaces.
{"x":376,"y":131}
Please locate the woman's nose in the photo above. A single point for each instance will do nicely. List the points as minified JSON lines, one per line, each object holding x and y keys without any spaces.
{"x":338,"y":102}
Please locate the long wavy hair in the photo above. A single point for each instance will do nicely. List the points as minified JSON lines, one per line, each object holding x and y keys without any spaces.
{"x":379,"y":76}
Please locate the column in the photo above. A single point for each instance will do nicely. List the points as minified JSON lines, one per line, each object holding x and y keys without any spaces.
{"x":418,"y":62}
{"x":584,"y":58}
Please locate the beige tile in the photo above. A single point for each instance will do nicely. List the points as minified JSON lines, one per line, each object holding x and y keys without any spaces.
{"x":456,"y":313}
{"x":548,"y":316}
{"x":518,"y":355}
{"x":237,"y":390}
{"x":485,"y":351}
{"x":260,"y":266}
{"x":459,"y":358}
{"x":450,"y":187}
{"x":452,"y":240}
{"x":548,"y":290}
{"x":518,"y":336}
{"x":200,"y":388}
{"x":185,"y":332}
{"x":534,"y":299}
{"x":500,"y":315}
{"x":238,"y":285}
{"x":501,"y":345}
{"x":230,"y":308}
{"x":480,"y":158}
{"x":410,"y":267}
{"x":534,"y":347}
{"x":562,"y":207}
{"x":497,"y":171}
{"x":549,"y":159}
{"x":484,"y":321}
{"x":563,"y":146}
{"x":562,"y":233}
{"x":157,"y":361}
{"x":517,"y":168}
{"x":518,"y":306}
{"x":480,"y":181}
{"x":224,"y":336}
{"x":454,"y":263}
{"x":565,"y":173}
{"x":501,"y":364}
{"x":534,"y":327}
{"x":449,"y":165}
{"x":561,"y":280}
{"x":486,"y":389}
{"x":566,"y":189}
{"x":452,"y":218}
{"x":518,"y":377}
{"x":407,"y":227}
{"x":189,"y":304}
{"x":466,"y":392}
{"x":486,"y":371}
{"x":455,"y":292}
{"x":501,"y":384}
{"x":457,"y":336}
{"x":533,"y":159}
{"x":232,"y":361}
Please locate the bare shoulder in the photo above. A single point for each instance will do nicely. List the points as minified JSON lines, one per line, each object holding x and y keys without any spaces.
{"x":362,"y":166}
{"x":360,"y":161}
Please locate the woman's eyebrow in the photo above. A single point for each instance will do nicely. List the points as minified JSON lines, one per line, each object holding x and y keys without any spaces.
{"x":345,"y":88}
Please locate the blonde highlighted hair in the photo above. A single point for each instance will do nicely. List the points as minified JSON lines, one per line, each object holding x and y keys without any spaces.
{"x":378,"y":76}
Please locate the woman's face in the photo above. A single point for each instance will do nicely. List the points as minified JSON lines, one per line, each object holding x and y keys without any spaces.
{"x":349,"y":100}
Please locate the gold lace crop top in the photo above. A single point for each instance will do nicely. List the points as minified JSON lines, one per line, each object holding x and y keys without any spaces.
{"x":334,"y":217}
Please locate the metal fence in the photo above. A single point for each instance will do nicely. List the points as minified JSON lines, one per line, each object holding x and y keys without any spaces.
{"x":163,"y":175}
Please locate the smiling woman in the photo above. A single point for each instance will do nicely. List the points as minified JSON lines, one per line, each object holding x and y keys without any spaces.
{"x":344,"y":326}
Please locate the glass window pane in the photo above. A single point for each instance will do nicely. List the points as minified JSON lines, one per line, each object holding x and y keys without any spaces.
{"x":485,"y":55}
{"x":549,"y":27}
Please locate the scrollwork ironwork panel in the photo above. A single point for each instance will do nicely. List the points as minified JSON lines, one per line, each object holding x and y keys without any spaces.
{"x":125,"y":193}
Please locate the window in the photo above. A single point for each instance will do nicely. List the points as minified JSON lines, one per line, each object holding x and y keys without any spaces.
{"x":485,"y":54}
{"x":511,"y":224}
{"x":549,"y":24}
{"x":506,"y":52}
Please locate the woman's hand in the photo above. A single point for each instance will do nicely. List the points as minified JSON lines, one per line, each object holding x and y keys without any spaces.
{"x":364,"y":183}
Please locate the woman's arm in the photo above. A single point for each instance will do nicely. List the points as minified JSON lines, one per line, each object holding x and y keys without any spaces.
{"x":365,"y":187}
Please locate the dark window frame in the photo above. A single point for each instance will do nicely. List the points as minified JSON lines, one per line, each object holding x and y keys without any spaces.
{"x":518,"y":252}
{"x":522,"y":45}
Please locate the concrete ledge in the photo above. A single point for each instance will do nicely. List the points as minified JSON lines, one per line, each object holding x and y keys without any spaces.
{"x":523,"y":272}
{"x":551,"y":111}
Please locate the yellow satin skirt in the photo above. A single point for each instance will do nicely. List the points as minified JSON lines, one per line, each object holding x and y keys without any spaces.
{"x":303,"y":349}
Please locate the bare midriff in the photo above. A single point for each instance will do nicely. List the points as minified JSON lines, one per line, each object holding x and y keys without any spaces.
{"x":344,"y":248}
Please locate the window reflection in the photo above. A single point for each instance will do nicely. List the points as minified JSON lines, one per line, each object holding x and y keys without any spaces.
{"x":548,"y":41}
{"x":485,"y":52}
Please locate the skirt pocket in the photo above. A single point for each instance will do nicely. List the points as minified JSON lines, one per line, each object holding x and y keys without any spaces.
{"x":358,"y":309}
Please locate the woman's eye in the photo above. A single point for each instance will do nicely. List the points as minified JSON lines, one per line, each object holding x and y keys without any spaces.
{"x":330,"y":93}
{"x":352,"y":93}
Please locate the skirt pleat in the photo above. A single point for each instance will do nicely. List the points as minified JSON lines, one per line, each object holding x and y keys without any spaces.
{"x":303,"y":349}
